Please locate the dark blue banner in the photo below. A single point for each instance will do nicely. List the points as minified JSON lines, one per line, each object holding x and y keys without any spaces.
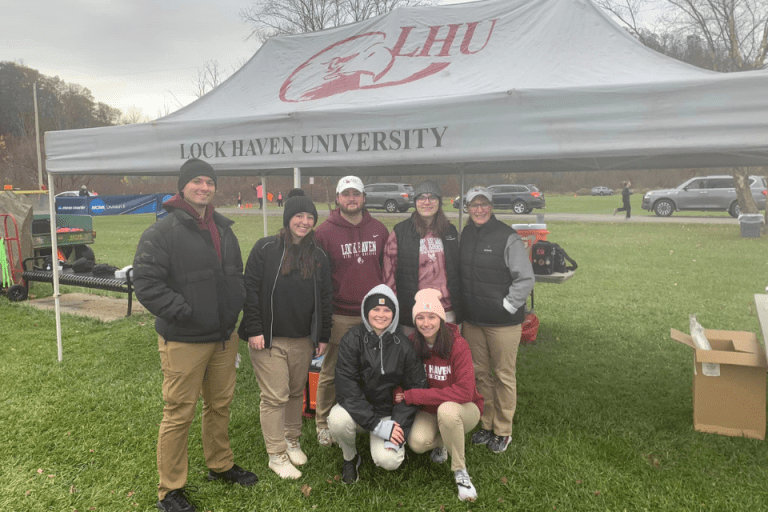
{"x":113,"y":205}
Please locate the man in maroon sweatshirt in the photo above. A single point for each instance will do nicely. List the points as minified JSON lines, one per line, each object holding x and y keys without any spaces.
{"x":354,"y":242}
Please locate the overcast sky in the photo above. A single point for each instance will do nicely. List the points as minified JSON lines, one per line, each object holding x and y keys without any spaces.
{"x":142,"y":53}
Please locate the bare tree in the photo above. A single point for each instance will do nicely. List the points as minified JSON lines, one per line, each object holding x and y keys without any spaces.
{"x":722,"y":35}
{"x":208,"y":77}
{"x":269,"y":18}
{"x":738,"y":28}
{"x":134,"y":115}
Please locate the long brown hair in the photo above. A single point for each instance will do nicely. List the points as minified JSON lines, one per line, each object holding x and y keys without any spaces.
{"x":438,"y":227}
{"x":443,"y":342}
{"x":302,"y":260}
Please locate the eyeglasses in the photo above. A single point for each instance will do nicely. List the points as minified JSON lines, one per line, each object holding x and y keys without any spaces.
{"x":427,"y":199}
{"x":479,"y":206}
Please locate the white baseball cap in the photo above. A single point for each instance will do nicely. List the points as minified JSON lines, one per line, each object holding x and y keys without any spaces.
{"x":350,"y":182}
{"x":479,"y":191}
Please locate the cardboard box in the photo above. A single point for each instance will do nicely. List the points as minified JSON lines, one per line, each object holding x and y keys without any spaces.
{"x":729,"y":384}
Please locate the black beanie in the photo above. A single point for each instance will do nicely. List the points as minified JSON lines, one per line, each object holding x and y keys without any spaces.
{"x":194,"y":168}
{"x":298,"y":203}
{"x":378,"y":299}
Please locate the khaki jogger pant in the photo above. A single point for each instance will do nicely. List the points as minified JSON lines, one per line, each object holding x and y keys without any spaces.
{"x":188,"y":370}
{"x":494,"y":357}
{"x":326,"y":390}
{"x":282,"y":372}
{"x":449,"y":427}
{"x":344,"y":431}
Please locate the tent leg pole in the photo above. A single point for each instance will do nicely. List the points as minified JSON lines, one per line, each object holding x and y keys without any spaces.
{"x":264,"y":202}
{"x":296,"y":177}
{"x":461,"y":199}
{"x":55,"y":264}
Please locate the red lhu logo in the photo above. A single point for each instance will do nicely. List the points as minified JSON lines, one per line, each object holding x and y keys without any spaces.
{"x":365,"y":62}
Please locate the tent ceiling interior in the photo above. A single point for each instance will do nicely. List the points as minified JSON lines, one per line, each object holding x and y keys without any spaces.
{"x":489,"y":86}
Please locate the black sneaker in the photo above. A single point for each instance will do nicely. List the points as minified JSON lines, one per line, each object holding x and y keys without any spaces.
{"x":234,"y":475}
{"x":499,"y":443}
{"x":482,"y":436}
{"x":349,"y":473}
{"x":176,"y":501}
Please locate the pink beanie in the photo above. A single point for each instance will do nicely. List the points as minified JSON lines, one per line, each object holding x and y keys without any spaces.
{"x":428,"y":301}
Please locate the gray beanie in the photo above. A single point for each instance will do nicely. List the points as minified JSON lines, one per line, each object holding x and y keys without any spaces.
{"x":427,"y":187}
{"x":194,"y":168}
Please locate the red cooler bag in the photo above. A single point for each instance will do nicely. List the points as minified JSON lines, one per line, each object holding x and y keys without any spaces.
{"x":530,"y":329}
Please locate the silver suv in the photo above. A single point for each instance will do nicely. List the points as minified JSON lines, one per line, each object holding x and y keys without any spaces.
{"x":703,"y":193}
{"x":393,"y":197}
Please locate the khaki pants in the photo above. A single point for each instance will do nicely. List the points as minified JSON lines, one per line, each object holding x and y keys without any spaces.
{"x":282,"y":372}
{"x":447,"y":427}
{"x":344,"y":430}
{"x":326,"y":391}
{"x":188,"y":370}
{"x":494,"y":356}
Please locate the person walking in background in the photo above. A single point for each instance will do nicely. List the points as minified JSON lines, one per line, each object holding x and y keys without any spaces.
{"x":626,"y":207}
{"x":354,"y":242}
{"x":239,"y":201}
{"x":280,"y":199}
{"x":423,"y":252}
{"x":286,"y":321}
{"x":195,"y":320}
{"x":496,"y":279}
{"x":374,"y":359}
{"x":451,"y":406}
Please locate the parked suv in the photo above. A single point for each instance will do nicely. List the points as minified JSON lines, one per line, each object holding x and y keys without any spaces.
{"x":703,"y":193}
{"x":520,"y":198}
{"x":392,"y":197}
{"x":601,"y":191}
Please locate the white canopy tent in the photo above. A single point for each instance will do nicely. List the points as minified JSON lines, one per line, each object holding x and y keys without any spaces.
{"x":496,"y":85}
{"x":489,"y":86}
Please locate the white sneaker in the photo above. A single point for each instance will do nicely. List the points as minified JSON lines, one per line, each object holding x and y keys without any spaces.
{"x":324,"y":437}
{"x":281,"y":464}
{"x":467,"y":491}
{"x":439,"y":455}
{"x":297,"y":456}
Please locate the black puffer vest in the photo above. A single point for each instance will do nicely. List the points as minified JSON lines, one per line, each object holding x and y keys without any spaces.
{"x":485,"y":275}
{"x":407,"y":276}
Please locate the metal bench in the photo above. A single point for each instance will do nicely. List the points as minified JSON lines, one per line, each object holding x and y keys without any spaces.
{"x":83,"y":280}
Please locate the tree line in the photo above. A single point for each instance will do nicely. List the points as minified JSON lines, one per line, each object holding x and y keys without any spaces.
{"x":61,"y":106}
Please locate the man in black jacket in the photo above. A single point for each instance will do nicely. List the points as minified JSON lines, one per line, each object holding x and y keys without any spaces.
{"x":188,"y":272}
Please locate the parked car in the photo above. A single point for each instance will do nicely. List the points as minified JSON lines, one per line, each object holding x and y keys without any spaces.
{"x":519,"y":198}
{"x":393,"y":197}
{"x":703,"y":193}
{"x":601,"y":191}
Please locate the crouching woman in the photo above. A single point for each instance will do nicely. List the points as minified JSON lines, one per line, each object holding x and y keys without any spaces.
{"x":451,"y":406}
{"x":374,"y":359}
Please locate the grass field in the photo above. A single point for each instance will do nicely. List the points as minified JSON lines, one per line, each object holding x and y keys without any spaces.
{"x":604,"y":419}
